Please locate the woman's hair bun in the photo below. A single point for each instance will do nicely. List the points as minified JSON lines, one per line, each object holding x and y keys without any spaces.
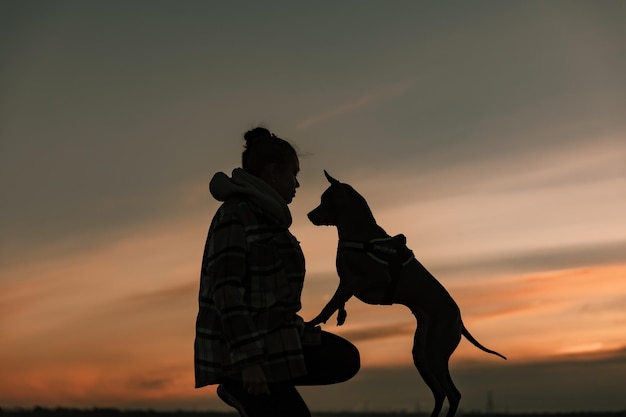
{"x":263,"y":148}
{"x":255,"y":135}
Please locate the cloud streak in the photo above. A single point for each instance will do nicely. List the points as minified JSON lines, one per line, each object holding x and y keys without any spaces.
{"x":373,"y":96}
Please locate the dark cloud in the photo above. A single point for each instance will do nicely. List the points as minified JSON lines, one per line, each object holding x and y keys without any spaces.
{"x":148,"y":384}
{"x":538,"y":260}
{"x":157,"y":379}
{"x":568,"y":384}
{"x":615,"y":304}
{"x":123,"y":116}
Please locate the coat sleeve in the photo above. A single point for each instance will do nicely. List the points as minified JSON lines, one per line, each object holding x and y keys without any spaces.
{"x":226,"y":272}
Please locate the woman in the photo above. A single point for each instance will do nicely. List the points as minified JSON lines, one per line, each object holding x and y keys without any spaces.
{"x":249,"y":338}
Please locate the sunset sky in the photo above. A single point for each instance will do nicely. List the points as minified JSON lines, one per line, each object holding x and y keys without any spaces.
{"x":492,"y":134}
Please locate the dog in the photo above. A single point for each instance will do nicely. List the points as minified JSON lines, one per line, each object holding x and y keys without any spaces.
{"x":379,"y":269}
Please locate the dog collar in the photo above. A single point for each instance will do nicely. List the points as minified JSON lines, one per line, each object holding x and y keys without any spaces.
{"x":383,"y":250}
{"x":391,"y":252}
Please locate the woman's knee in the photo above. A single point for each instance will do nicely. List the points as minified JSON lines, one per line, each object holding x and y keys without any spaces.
{"x":352,"y":361}
{"x":348,"y":358}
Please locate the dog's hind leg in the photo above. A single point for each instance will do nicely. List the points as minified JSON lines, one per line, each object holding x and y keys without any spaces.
{"x":421,"y":359}
{"x":454,"y":396}
{"x":441,"y":343}
{"x":441,"y":373}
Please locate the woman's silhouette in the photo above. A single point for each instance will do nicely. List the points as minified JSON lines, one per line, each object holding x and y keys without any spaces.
{"x":249,"y":337}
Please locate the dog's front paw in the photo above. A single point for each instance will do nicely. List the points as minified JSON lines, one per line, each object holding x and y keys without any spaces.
{"x":341,"y":316}
{"x":315,"y":322}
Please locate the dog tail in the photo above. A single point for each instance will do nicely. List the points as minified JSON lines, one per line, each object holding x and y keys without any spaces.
{"x":469,"y":337}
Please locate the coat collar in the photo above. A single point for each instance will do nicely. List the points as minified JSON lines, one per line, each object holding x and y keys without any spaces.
{"x":244,"y":185}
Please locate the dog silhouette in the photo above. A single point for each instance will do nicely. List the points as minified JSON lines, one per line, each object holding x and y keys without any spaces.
{"x":379,"y":269}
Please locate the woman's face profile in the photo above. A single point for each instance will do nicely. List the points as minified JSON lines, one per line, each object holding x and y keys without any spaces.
{"x":284,"y":178}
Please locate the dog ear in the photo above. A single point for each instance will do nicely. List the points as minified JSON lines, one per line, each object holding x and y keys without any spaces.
{"x":330,"y":179}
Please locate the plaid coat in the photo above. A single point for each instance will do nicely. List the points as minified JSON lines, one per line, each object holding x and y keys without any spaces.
{"x":251,"y":280}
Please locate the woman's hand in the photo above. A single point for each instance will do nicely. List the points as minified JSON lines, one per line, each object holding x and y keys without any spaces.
{"x":254,"y":381}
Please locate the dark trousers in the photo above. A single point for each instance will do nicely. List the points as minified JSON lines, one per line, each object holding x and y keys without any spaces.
{"x":334,"y":360}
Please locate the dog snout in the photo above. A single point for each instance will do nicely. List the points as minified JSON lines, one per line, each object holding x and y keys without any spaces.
{"x":319,"y":217}
{"x":313,"y":216}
